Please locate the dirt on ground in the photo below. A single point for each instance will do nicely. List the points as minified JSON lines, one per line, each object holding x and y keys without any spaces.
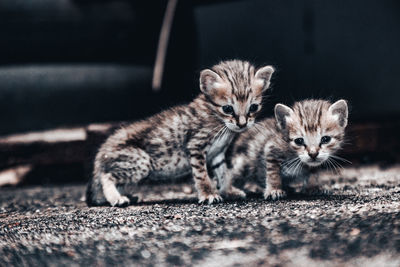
{"x":358,"y":224}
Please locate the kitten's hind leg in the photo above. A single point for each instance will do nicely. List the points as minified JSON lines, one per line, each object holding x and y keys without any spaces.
{"x":111,"y":192}
{"x":102,"y":190}
{"x":113,"y":172}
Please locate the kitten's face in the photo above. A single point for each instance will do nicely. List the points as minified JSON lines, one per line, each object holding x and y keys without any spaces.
{"x":314,"y":128}
{"x":234,"y":90}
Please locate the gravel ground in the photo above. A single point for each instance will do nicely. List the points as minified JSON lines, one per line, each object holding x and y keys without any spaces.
{"x":359,"y":224}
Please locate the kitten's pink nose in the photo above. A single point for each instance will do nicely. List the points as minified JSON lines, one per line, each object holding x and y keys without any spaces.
{"x":313,"y":155}
{"x":241,"y":122}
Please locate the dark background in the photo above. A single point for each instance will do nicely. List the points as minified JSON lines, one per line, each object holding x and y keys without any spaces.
{"x":70,"y":62}
{"x":67,"y":63}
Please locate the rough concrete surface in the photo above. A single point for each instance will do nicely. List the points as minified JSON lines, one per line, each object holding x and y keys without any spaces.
{"x":359,"y":224}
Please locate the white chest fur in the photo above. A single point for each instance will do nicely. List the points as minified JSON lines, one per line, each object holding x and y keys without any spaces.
{"x":219,"y":145}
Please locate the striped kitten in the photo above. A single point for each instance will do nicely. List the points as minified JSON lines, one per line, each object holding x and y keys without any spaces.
{"x":184,"y":139}
{"x":290,"y":146}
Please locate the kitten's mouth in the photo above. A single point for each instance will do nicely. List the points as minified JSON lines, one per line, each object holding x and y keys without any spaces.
{"x":237,"y":129}
{"x":314,"y":162}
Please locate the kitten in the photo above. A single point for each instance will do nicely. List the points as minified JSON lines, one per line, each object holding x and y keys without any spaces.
{"x":184,"y":139}
{"x":290,"y":146}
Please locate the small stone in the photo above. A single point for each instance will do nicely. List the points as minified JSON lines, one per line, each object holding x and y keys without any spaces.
{"x":354,"y":231}
{"x":145,"y":254}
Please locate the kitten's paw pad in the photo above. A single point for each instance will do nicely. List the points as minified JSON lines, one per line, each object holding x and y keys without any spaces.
{"x":122,"y":201}
{"x":211,"y":198}
{"x":317,"y":191}
{"x":275,"y":194}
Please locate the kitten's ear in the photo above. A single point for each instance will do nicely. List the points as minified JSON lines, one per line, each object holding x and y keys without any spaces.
{"x":209,"y":81}
{"x":282,"y":114}
{"x":339,"y":112}
{"x":263,"y":77}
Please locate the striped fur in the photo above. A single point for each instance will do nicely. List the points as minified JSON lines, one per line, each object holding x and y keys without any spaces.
{"x":184,"y":139}
{"x":269,"y":153}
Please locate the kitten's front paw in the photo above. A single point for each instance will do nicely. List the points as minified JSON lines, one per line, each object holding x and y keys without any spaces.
{"x":274,"y":194}
{"x":234,"y":192}
{"x":121,"y":201}
{"x":210,"y":198}
{"x":316,"y":191}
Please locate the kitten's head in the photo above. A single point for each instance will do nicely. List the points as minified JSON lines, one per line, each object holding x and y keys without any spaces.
{"x":234,"y":90}
{"x":313,"y":128}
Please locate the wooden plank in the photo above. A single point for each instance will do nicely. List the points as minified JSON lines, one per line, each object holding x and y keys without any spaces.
{"x":52,"y":147}
{"x":366,"y":143}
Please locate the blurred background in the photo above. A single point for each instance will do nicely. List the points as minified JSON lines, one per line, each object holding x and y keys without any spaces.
{"x":71,"y":70}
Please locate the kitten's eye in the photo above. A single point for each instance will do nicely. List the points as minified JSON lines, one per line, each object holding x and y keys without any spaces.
{"x":253,"y":108}
{"x":325,"y":139}
{"x":299,"y":141}
{"x":228,"y":109}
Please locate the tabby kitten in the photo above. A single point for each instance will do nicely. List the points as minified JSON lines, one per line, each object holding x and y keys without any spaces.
{"x":290,"y":146}
{"x":184,"y":139}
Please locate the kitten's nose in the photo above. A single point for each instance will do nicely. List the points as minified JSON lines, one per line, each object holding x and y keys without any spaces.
{"x":241,"y":122}
{"x":313,"y":155}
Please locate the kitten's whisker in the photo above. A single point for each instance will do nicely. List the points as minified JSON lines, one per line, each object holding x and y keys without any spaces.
{"x":224,"y":131}
{"x":290,"y":164}
{"x":301,"y":168}
{"x":334,"y":171}
{"x":218,"y":133}
{"x":329,"y":164}
{"x":323,"y":164}
{"x":337,"y":163}
{"x":337,"y":171}
{"x":334,"y":166}
{"x":298,"y":168}
{"x":341,"y":159}
{"x":289,"y":161}
{"x":215,"y":136}
{"x":293,"y":167}
{"x":295,"y":159}
{"x":215,"y":128}
{"x":221,"y":134}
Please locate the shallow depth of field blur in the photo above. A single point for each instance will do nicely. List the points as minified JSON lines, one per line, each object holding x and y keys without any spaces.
{"x":71,"y":71}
